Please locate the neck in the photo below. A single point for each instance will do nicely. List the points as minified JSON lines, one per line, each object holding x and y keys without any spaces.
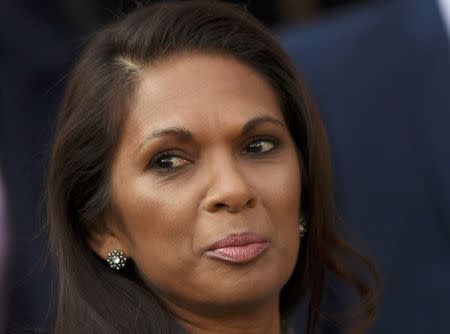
{"x":258,"y":319}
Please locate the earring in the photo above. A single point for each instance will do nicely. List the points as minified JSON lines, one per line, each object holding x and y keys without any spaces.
{"x":116,"y":259}
{"x":301,"y":227}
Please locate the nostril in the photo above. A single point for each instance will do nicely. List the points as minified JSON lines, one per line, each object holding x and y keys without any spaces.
{"x":234,"y":206}
{"x":251,"y":203}
{"x":229,"y":200}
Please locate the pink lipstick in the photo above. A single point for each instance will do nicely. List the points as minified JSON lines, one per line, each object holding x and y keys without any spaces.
{"x":238,"y":248}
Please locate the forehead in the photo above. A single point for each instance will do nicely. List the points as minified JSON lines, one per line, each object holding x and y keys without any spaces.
{"x":200,"y":91}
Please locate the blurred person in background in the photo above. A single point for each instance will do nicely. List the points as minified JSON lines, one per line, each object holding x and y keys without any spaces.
{"x":381,"y":78}
{"x":3,"y":250}
{"x":37,"y":48}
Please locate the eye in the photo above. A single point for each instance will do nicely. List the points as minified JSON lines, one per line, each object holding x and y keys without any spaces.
{"x":167,"y":161}
{"x":261,"y":145}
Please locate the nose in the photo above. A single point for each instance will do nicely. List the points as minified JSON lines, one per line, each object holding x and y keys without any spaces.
{"x":229,"y":189}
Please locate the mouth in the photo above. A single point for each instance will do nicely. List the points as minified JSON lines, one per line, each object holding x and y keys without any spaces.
{"x":238,"y":248}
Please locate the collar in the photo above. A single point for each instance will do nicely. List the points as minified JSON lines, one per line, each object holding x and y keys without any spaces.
{"x":444,"y":6}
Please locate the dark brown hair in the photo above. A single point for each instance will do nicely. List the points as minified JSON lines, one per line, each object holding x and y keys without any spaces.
{"x":92,"y":297}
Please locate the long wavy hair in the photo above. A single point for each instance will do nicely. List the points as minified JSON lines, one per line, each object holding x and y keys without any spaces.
{"x":92,"y":298}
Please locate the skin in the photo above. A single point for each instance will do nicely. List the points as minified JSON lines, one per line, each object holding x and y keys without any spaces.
{"x":213,"y":182}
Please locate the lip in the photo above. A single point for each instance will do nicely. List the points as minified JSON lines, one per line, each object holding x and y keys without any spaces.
{"x":238,"y":248}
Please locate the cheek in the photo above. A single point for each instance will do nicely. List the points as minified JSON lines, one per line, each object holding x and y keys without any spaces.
{"x":281,"y":189}
{"x":283,"y":203}
{"x":159,"y":229}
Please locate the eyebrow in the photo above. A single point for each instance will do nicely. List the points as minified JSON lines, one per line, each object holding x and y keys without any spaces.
{"x":254,"y":122}
{"x":179,"y":132}
{"x":184,"y":135}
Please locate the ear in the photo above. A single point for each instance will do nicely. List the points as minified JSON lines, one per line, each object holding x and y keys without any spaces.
{"x":104,"y":237}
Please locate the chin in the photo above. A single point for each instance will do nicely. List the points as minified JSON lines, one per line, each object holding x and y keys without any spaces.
{"x":243,"y":297}
{"x":250,"y":285}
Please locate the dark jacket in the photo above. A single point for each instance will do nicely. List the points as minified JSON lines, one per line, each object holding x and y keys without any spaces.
{"x":381,"y":79}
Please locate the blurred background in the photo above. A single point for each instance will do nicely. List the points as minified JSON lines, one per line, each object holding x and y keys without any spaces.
{"x":380,"y":73}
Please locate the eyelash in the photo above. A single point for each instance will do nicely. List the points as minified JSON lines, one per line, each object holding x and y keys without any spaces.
{"x":158,"y":157}
{"x":176,"y":154}
{"x":274,"y":141}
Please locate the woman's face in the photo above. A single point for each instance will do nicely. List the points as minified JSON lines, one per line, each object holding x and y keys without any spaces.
{"x":206,"y":185}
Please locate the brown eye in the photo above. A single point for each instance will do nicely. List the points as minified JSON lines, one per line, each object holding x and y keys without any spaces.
{"x":261,"y":146}
{"x":167,"y":161}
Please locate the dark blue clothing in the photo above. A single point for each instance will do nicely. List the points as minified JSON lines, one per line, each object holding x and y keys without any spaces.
{"x":36,"y":54}
{"x":381,"y":79}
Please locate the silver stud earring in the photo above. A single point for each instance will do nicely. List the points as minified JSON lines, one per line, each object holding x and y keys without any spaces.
{"x":116,"y":259}
{"x":301,"y":227}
